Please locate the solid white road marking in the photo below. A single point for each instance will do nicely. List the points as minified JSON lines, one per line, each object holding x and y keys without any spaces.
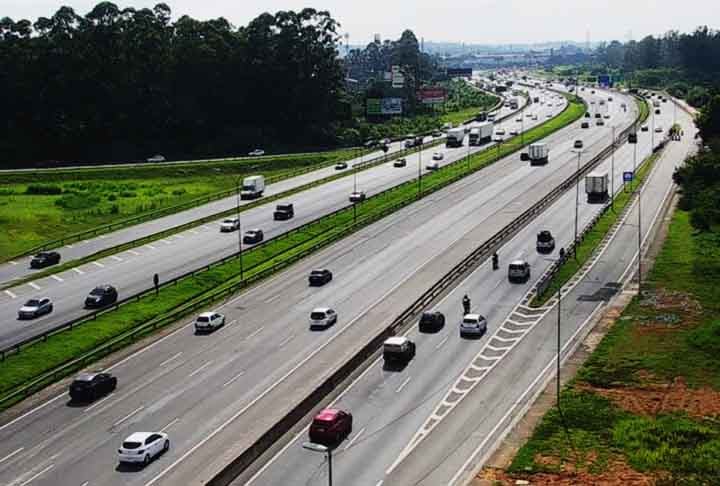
{"x":11,"y":295}
{"x":98,"y":264}
{"x":172,"y":422}
{"x":233,"y":379}
{"x":116,"y":258}
{"x":57,"y":278}
{"x":286,"y":340}
{"x":18,"y":451}
{"x":78,"y":271}
{"x":175,"y":356}
{"x":198,"y":370}
{"x":402,"y":385}
{"x":34,"y":285}
{"x":98,"y":403}
{"x":128,"y":416}
{"x":38,"y":475}
{"x":255,"y":333}
{"x":354,"y":439}
{"x":85,"y":483}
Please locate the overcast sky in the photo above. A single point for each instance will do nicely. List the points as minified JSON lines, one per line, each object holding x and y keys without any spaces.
{"x":470,"y":21}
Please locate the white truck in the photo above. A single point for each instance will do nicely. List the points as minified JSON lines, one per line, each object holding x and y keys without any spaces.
{"x":538,"y":153}
{"x":596,"y":187}
{"x":455,"y":137}
{"x":252,"y":187}
{"x":481,"y":133}
{"x":514,"y":103}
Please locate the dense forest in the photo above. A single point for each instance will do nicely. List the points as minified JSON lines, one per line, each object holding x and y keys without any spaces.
{"x":127,"y":84}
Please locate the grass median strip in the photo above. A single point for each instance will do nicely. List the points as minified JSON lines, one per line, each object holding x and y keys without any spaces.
{"x":43,"y":356}
{"x":593,"y":237}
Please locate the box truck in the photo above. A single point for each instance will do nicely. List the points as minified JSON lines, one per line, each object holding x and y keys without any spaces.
{"x":455,"y":137}
{"x":596,"y":187}
{"x":538,"y":153}
{"x":252,"y":187}
{"x":481,"y":133}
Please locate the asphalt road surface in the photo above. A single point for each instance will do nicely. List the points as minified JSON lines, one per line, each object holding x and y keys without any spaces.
{"x":215,"y":394}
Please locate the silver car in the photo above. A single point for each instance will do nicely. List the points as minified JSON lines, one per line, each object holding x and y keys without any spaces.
{"x":35,"y":308}
{"x":473,"y":325}
{"x":322,"y":317}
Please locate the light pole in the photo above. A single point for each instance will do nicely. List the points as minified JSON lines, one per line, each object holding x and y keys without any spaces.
{"x":652,"y":136}
{"x":420,"y":172}
{"x":311,"y":446}
{"x":612,"y":172}
{"x":639,"y":223}
{"x":240,"y":252}
{"x":577,"y":199}
{"x":557,"y":372}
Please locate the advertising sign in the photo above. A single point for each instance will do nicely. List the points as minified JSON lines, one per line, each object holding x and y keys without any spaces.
{"x":384,"y":106}
{"x":627,"y":176}
{"x":398,"y":80}
{"x":432,"y":95}
{"x":459,"y":72}
{"x":605,"y":81}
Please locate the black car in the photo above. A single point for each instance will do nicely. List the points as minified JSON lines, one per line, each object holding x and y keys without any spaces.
{"x":545,"y":242}
{"x":657,"y":111}
{"x":598,"y":115}
{"x":587,"y":114}
{"x":88,"y":387}
{"x":320,"y":277}
{"x":585,"y":125}
{"x":253,"y":236}
{"x":45,"y":259}
{"x":431,"y":321}
{"x":284,"y":212}
{"x":101,"y":296}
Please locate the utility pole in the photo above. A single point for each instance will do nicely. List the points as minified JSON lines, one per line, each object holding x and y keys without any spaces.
{"x":639,"y":225}
{"x":237,"y":207}
{"x":612,"y":172}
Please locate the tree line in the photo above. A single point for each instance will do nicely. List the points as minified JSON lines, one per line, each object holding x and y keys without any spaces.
{"x":125,"y":84}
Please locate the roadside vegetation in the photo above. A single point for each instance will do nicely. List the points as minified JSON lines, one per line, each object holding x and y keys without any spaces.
{"x":45,"y":355}
{"x":40,"y":206}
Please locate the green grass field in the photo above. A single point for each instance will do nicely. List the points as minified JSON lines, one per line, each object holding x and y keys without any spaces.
{"x":42,"y":356}
{"x":41,"y":206}
{"x":672,"y":332}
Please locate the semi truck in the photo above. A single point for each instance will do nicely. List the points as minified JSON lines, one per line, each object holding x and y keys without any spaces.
{"x":538,"y":153}
{"x":596,"y":187}
{"x":252,"y":187}
{"x":455,"y":137}
{"x":481,"y":133}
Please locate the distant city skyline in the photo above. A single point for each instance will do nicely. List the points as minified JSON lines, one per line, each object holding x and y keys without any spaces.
{"x":478,"y":22}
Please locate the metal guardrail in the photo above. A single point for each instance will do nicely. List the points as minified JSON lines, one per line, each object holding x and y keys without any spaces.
{"x":114,"y":343}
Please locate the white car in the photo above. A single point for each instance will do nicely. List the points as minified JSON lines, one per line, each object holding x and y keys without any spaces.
{"x":658,"y":129}
{"x":322,"y":317}
{"x":357,"y":196}
{"x":500,"y":131}
{"x":256,"y":153}
{"x":432,"y":166}
{"x":230,"y":224}
{"x":606,"y":115}
{"x":438,"y":156}
{"x":535,"y":117}
{"x":143,"y":447}
{"x":514,"y":131}
{"x":35,"y":307}
{"x":156,"y":158}
{"x":473,"y":325}
{"x":209,"y":321}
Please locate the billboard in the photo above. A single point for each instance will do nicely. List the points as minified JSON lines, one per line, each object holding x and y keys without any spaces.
{"x":398,"y":80}
{"x":432,"y":95}
{"x":384,"y":106}
{"x":459,"y":72}
{"x":604,"y":81}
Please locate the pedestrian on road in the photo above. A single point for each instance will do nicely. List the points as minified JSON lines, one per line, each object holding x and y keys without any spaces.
{"x":466,"y":304}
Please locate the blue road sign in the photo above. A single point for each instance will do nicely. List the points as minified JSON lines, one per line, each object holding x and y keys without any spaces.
{"x":627,"y":176}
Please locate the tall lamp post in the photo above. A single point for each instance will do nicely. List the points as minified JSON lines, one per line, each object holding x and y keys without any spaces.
{"x":577,"y":198}
{"x":420,"y":172}
{"x":612,"y":172}
{"x":311,"y":446}
{"x":237,"y":207}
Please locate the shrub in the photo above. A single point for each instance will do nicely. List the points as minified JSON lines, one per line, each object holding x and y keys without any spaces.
{"x":75,"y":201}
{"x":44,"y":189}
{"x":128,"y":194}
{"x":179,"y":192}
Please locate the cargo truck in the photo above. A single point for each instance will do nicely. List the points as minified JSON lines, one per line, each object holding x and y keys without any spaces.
{"x":455,"y":137}
{"x":538,"y":153}
{"x":480,"y":134}
{"x":514,"y":103}
{"x":596,"y":187}
{"x":252,"y":187}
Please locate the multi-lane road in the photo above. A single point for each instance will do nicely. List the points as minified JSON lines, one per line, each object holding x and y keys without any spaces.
{"x":393,"y":408}
{"x":132,"y":271}
{"x":215,"y":394}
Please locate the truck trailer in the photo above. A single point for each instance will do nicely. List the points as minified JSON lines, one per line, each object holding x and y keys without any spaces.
{"x":252,"y":187}
{"x":538,"y":153}
{"x":481,"y":134}
{"x":596,"y":187}
{"x":455,"y":137}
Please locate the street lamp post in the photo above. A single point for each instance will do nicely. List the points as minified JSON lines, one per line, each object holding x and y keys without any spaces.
{"x":612,"y":172}
{"x":240,"y":252}
{"x":577,"y":199}
{"x":420,"y":172}
{"x":311,"y":446}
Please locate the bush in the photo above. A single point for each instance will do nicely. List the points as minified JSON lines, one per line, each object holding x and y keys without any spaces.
{"x":128,"y":194}
{"x":44,"y":189}
{"x":76,"y":201}
{"x":179,"y":192}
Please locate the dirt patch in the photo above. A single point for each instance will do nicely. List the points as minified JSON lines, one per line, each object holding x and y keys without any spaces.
{"x":666,"y":300}
{"x":618,"y":473}
{"x":651,"y":400}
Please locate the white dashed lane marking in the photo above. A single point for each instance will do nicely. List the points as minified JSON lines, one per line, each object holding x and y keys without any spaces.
{"x":98,"y":264}
{"x":57,"y":278}
{"x":133,"y":252}
{"x":116,"y":258}
{"x":11,"y":295}
{"x":35,"y":286}
{"x":78,"y":271}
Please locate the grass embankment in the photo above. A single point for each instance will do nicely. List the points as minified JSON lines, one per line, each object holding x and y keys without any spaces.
{"x":646,"y":402}
{"x":45,"y":205}
{"x":43,"y":356}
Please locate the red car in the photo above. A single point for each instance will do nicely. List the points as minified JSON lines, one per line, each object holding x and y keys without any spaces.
{"x":330,"y":426}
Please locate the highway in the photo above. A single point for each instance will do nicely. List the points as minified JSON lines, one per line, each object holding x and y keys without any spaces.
{"x":215,"y":394}
{"x":20,"y":268}
{"x":132,"y":271}
{"x":390,"y":407}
